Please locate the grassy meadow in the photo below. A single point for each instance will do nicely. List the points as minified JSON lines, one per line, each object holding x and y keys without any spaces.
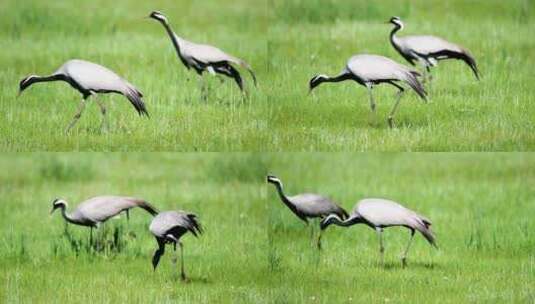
{"x":306,"y":38}
{"x":253,"y":249}
{"x":286,"y":42}
{"x":37,"y":37}
{"x":40,"y":262}
{"x":481,"y":206}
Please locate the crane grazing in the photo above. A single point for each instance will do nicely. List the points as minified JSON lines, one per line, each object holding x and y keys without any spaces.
{"x":94,"y":211}
{"x":428,"y":50}
{"x":202,"y":57}
{"x":308,"y":205}
{"x":370,"y":70}
{"x":89,"y":79}
{"x":169,"y":227}
{"x":379,"y":213}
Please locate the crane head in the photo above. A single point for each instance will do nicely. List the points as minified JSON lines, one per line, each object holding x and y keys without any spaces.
{"x":158,"y":16}
{"x":26,"y":82}
{"x":273,"y":179}
{"x":327,"y":221}
{"x":316,"y":81}
{"x":58,"y":203}
{"x":396,"y":21}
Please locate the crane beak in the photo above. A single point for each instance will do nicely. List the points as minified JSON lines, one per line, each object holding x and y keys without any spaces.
{"x":18,"y":95}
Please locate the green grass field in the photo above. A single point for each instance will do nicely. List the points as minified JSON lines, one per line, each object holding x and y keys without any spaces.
{"x":254,"y":250}
{"x":318,"y":36}
{"x":286,"y":42}
{"x":37,"y":37}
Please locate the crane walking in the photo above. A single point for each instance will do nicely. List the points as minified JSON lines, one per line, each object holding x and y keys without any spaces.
{"x":371,"y":70}
{"x":89,"y":79}
{"x":379,"y":213}
{"x":94,"y":211}
{"x":308,"y":205}
{"x":168,"y":227}
{"x":203,"y":57}
{"x":428,"y":50}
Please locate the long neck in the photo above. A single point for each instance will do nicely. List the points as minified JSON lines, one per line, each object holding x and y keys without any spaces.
{"x":173,"y":36}
{"x":285,"y":199}
{"x":341,"y":77}
{"x":66,"y":215}
{"x":393,"y":38}
{"x":53,"y":77}
{"x":352,"y":220}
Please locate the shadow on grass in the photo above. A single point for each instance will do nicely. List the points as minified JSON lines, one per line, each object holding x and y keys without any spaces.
{"x":410,"y":265}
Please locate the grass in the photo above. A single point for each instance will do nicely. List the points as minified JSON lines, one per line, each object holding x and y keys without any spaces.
{"x":38,"y":37}
{"x":306,"y":38}
{"x":480,"y":205}
{"x":286,"y":42}
{"x":254,"y":250}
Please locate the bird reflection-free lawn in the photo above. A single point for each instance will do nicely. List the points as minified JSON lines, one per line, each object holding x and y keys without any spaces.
{"x":39,"y":262}
{"x":496,"y":113}
{"x":254,"y":250}
{"x":38,"y":37}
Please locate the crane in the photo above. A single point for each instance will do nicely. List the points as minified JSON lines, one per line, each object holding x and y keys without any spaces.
{"x":168,"y":227}
{"x":95,"y":211}
{"x":89,"y":79}
{"x":203,"y":57}
{"x":428,"y":50}
{"x":378,"y":213}
{"x":370,"y":70}
{"x":308,"y":205}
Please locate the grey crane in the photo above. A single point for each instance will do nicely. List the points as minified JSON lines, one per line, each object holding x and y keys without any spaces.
{"x":428,"y":50}
{"x":203,"y":57}
{"x":308,"y":205}
{"x":168,"y":227}
{"x":378,"y":213}
{"x":89,"y":79}
{"x":371,"y":70}
{"x":94,"y":211}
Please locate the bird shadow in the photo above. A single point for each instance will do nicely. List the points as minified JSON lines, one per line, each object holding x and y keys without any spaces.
{"x":191,"y":280}
{"x":410,"y":265}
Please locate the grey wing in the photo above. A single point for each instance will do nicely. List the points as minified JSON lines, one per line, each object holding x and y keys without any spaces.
{"x":314,"y":205}
{"x":373,"y":67}
{"x":166,"y":221}
{"x":101,"y":208}
{"x":426,"y":45}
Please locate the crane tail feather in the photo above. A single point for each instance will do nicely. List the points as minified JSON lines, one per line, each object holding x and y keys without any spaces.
{"x":134,"y":96}
{"x":470,"y":61}
{"x":149,"y":208}
{"x":246,"y":66}
{"x":415,"y":84}
{"x":196,"y":227}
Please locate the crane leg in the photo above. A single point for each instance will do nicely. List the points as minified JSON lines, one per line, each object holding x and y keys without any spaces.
{"x":77,"y":116}
{"x":373,"y":119}
{"x":175,"y":256}
{"x":182,"y":273}
{"x":395,"y":108}
{"x":381,"y":246}
{"x":319,"y":241}
{"x":429,"y":76}
{"x":204,"y":90}
{"x":105,"y":123}
{"x":404,"y":257}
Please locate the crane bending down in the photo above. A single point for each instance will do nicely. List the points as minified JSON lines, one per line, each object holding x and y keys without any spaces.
{"x":371,"y":70}
{"x":94,"y":211}
{"x":379,"y":213}
{"x":169,"y":227}
{"x":428,"y":50}
{"x":308,"y":205}
{"x":89,"y":79}
{"x":203,"y":57}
